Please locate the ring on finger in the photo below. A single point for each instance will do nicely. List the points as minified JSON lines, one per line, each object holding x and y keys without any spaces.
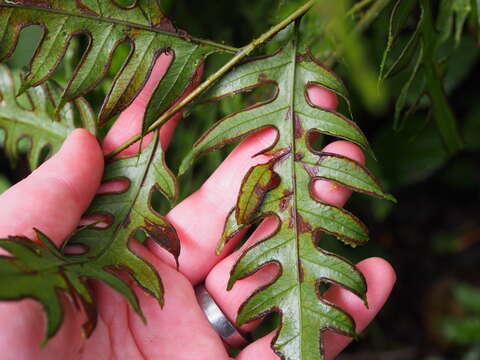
{"x":227,"y":331}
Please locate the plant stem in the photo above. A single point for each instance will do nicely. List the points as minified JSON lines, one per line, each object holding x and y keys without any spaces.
{"x":442,"y":111}
{"x":240,"y":55}
{"x":370,"y":15}
{"x":358,"y":7}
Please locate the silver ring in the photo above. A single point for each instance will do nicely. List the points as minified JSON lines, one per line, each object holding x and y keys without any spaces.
{"x":227,"y":331}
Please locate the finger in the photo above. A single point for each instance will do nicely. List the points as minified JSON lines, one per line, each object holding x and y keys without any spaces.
{"x":380,"y":278}
{"x":181,"y":321}
{"x":217,"y":279}
{"x":331,"y":192}
{"x":129,"y":123}
{"x":200,"y":218}
{"x":51,"y":199}
{"x":231,"y":300}
{"x":54,"y":196}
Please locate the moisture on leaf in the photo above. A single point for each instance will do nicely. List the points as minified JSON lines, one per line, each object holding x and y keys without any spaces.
{"x":32,"y":116}
{"x":282,"y":188}
{"x":143,"y":27}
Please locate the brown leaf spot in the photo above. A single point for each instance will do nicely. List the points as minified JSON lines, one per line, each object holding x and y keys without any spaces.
{"x":301,"y":272}
{"x":126,"y":221}
{"x":285,"y":201}
{"x":260,"y":192}
{"x":262,"y":76}
{"x":311,"y":170}
{"x":165,"y":236}
{"x":300,"y":58}
{"x":299,"y":131}
{"x":291,"y":222}
{"x":166,"y":25}
{"x":299,"y":156}
{"x":288,"y":114}
{"x":279,"y":154}
{"x":85,"y":9}
{"x":302,"y":225}
{"x":37,"y":3}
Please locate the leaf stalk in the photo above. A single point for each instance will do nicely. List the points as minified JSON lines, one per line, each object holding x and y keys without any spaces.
{"x":219,"y":46}
{"x":442,"y":111}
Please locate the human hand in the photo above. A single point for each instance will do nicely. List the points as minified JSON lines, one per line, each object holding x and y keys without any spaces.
{"x":53,"y":199}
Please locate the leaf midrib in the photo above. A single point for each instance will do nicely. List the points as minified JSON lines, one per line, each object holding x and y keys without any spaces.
{"x":294,"y":175}
{"x":123,"y":23}
{"x":137,"y":193}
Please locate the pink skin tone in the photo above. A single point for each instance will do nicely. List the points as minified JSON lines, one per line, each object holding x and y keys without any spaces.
{"x":53,"y":199}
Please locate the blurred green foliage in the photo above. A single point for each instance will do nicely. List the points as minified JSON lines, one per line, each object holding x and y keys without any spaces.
{"x":433,"y":233}
{"x":464,"y":327}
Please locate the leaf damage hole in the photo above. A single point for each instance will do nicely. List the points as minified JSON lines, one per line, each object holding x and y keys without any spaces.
{"x":45,"y":154}
{"x":159,"y":203}
{"x":157,"y":73}
{"x":24,"y":144}
{"x":3,"y":135}
{"x":125,"y":4}
{"x":265,"y":91}
{"x":75,"y":249}
{"x":259,"y":231}
{"x":321,"y":96}
{"x":318,"y":141}
{"x":116,"y":186}
{"x":120,"y":57}
{"x":97,"y":221}
{"x":77,"y":45}
{"x":28,"y":41}
{"x":24,"y":100}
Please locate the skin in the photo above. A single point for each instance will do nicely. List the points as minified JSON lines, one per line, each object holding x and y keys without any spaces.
{"x":53,"y":199}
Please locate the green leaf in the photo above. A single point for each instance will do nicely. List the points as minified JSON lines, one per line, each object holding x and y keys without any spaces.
{"x":402,"y":98}
{"x":258,"y":181}
{"x":399,"y":16}
{"x":441,"y":109}
{"x":282,"y":189}
{"x":425,"y":37}
{"x":127,"y":211}
{"x":407,"y":54}
{"x":40,"y":272}
{"x":230,"y":229}
{"x":4,"y":183}
{"x":143,"y":26}
{"x":453,"y":12}
{"x":32,"y":116}
{"x":467,"y":296}
{"x":346,"y":172}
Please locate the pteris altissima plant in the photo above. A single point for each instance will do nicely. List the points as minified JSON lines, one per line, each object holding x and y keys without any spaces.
{"x":281,"y":188}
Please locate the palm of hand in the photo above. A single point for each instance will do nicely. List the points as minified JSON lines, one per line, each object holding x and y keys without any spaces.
{"x":53,"y":199}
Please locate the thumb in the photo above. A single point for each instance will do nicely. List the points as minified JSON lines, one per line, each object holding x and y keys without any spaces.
{"x":53,"y":198}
